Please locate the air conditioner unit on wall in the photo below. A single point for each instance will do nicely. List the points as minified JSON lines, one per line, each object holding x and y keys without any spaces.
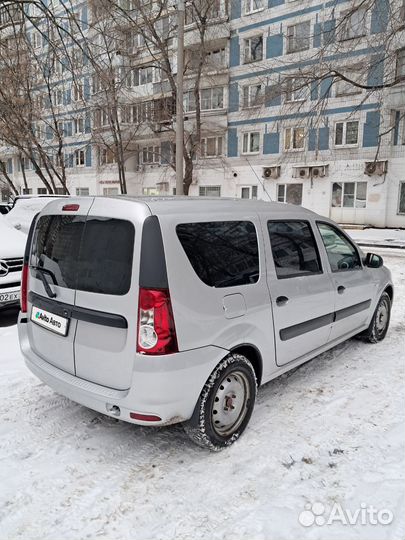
{"x":301,"y":172}
{"x":319,"y":171}
{"x":271,"y":172}
{"x":375,"y":167}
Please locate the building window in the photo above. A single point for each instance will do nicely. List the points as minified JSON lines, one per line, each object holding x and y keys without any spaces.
{"x":400,"y":69}
{"x":110,"y":191}
{"x":104,"y":118}
{"x":298,"y":37}
{"x":77,"y":91}
{"x":211,"y":146}
{"x":150,"y":191}
{"x":58,"y":97}
{"x":253,"y":96}
{"x":210,"y":191}
{"x":82,"y":191}
{"x":401,"y":201}
{"x":150,"y":154}
{"x":253,"y":49}
{"x":25,"y":163}
{"x":212,"y":11}
{"x":134,"y":41}
{"x":294,"y":138}
{"x":251,"y":6}
{"x":42,"y":191}
{"x":80,"y":158}
{"x":107,"y":156}
{"x":36,"y":40}
{"x":189,"y":101}
{"x":296,"y":89}
{"x":248,"y":192}
{"x":398,"y":127}
{"x":347,"y":133}
{"x":346,"y":88}
{"x":60,"y":191}
{"x":79,"y":125}
{"x":349,"y":195}
{"x":353,"y":23}
{"x":142,"y":75}
{"x":289,"y":193}
{"x":353,"y":73}
{"x":210,"y":99}
{"x":27,"y":191}
{"x":251,"y":143}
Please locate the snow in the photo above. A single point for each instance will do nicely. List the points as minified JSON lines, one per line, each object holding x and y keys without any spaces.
{"x":12,"y":242}
{"x":330,"y":431}
{"x":25,"y":210}
{"x":379,"y":237}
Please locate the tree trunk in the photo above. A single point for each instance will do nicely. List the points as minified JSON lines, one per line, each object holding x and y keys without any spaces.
{"x":23,"y":172}
{"x":188,"y":173}
{"x":10,"y":183}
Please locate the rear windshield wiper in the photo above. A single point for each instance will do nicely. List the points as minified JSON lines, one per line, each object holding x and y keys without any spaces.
{"x":42,"y":273}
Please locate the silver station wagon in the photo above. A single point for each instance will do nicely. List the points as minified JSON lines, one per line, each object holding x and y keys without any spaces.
{"x":166,"y":310}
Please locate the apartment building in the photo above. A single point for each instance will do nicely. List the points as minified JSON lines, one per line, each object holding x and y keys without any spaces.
{"x":277,"y":123}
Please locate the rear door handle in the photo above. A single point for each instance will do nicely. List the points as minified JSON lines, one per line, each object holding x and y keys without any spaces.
{"x":341,"y":289}
{"x":281,"y":300}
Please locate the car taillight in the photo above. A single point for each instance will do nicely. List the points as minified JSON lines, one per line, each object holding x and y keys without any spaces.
{"x":24,"y":289}
{"x":156,"y":330}
{"x":70,"y":208}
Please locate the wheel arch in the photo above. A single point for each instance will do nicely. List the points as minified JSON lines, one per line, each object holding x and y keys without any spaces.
{"x":253,"y":355}
{"x":389,"y":289}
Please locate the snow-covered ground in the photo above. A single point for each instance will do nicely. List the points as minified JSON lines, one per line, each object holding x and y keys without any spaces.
{"x":382,"y":237}
{"x":331,"y":431}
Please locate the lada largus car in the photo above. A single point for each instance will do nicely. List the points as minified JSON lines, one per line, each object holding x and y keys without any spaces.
{"x":166,"y":310}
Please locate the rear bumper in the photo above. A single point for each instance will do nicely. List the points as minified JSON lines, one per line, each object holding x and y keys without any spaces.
{"x":167,"y":387}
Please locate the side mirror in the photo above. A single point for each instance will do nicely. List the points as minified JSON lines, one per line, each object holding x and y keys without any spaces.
{"x":373,"y":260}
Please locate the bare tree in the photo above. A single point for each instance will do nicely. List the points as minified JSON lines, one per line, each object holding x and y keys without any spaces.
{"x":27,"y":124}
{"x":150,"y":46}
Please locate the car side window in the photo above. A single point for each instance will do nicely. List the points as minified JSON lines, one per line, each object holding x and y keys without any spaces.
{"x":341,"y":253}
{"x":294,"y":249}
{"x":222,"y":253}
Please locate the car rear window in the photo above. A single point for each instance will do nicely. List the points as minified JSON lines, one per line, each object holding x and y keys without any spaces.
{"x":93,"y":255}
{"x":222,"y":253}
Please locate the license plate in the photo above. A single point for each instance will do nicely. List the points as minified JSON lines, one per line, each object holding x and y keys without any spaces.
{"x":50,"y":321}
{"x":11,"y":296}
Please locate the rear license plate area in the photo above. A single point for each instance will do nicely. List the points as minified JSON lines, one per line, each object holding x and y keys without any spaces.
{"x":50,"y":321}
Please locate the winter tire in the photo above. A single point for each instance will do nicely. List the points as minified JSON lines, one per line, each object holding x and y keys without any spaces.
{"x":380,"y":322}
{"x":225,"y":405}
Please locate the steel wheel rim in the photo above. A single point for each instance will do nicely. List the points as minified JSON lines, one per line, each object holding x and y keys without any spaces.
{"x":382,"y":317}
{"x":230,"y":403}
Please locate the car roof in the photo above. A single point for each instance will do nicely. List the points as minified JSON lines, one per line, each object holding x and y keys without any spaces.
{"x":178,"y":205}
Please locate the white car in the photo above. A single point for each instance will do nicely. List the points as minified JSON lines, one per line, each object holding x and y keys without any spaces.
{"x":12,"y":245}
{"x":165,"y":310}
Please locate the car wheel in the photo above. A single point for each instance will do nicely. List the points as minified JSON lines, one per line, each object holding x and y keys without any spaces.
{"x":225,"y":405}
{"x":380,"y":322}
